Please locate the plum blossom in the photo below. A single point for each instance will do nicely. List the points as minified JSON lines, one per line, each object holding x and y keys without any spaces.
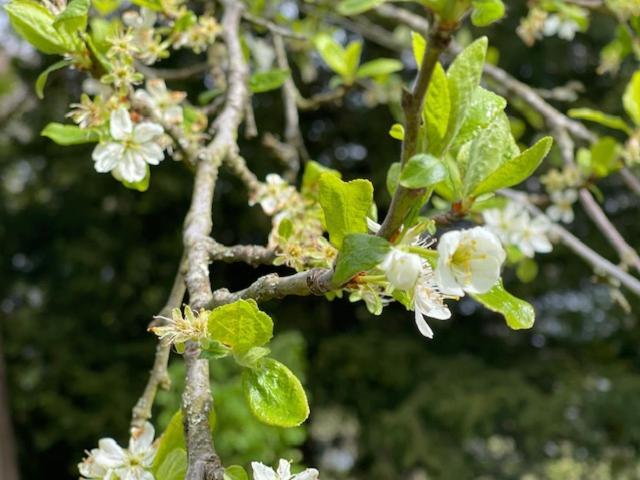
{"x":469,"y":261}
{"x":164,"y":103}
{"x":562,"y":208}
{"x":131,"y":148}
{"x":428,"y":302}
{"x":112,"y":462}
{"x":401,"y":268}
{"x":514,"y":226}
{"x":262,"y":472}
{"x":564,"y":28}
{"x":274,"y":195}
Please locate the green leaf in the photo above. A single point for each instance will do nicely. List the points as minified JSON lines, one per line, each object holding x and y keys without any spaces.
{"x":379,"y":67}
{"x":69,"y":134}
{"x":488,"y":151}
{"x":155,"y":5}
{"x":269,"y":80}
{"x":33,"y":22}
{"x":527,"y":270}
{"x":208,"y":95}
{"x":418,"y":45}
{"x":250,"y":358}
{"x":351,"y":60}
{"x":602,"y":118}
{"x":518,"y":313}
{"x":360,"y":252}
{"x":240,"y":325}
{"x":345,"y":206}
{"x":437,"y":107}
{"x":515,"y":170}
{"x":332,"y":53}
{"x":235,"y":472}
{"x":42,"y":78}
{"x":354,"y":7}
{"x":485,"y":12}
{"x":464,"y":76}
{"x":484,"y":107}
{"x":631,"y":98}
{"x":311,"y":178}
{"x":397,"y":131}
{"x":274,"y":394}
{"x":393,"y":177}
{"x":605,"y":157}
{"x":105,"y":7}
{"x":174,"y":466}
{"x":422,"y":171}
{"x":171,"y":439}
{"x":73,"y":19}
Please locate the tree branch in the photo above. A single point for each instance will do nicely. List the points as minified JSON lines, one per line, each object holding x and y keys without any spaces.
{"x":413,"y":103}
{"x":203,"y":462}
{"x":253,"y":255}
{"x":158,"y":376}
{"x":312,"y":282}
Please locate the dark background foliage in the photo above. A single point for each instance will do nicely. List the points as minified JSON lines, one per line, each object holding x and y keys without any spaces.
{"x":84,"y":263}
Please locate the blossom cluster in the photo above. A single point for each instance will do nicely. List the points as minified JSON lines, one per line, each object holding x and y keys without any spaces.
{"x":112,"y":462}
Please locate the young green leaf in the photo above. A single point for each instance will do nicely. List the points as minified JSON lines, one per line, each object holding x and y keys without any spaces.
{"x":518,"y":313}
{"x":332,"y":53}
{"x":269,"y":80}
{"x":235,"y":472}
{"x":359,"y":252}
{"x":42,"y":78}
{"x":631,"y":98}
{"x":515,"y":170}
{"x":250,"y":358}
{"x":105,"y":7}
{"x":33,"y":22}
{"x":311,"y":178}
{"x":437,"y":107}
{"x":602,"y":118}
{"x":171,"y":439}
{"x":393,"y":177}
{"x":419,"y":45}
{"x":488,"y":151}
{"x":240,"y":325}
{"x":345,"y":206}
{"x":379,"y":67}
{"x":73,"y":19}
{"x":422,"y":171}
{"x":174,"y":466}
{"x":274,"y":394}
{"x":484,"y":107}
{"x":69,"y":134}
{"x":155,"y":5}
{"x":605,"y":157}
{"x":485,"y":12}
{"x":354,"y":7}
{"x":351,"y":60}
{"x":464,"y":76}
{"x":397,"y":131}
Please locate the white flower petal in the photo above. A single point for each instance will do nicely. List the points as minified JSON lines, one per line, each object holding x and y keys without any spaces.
{"x":423,"y":326}
{"x":142,"y":439}
{"x":157,"y":88}
{"x":106,"y":156}
{"x":262,"y":472}
{"x":131,"y":167}
{"x":120,"y":124}
{"x":485,"y":275}
{"x":284,"y":469}
{"x":152,"y":153}
{"x":146,"y":131}
{"x":308,"y":474}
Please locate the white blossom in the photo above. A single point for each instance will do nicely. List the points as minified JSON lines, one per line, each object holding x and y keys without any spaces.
{"x":131,"y":148}
{"x":112,"y":462}
{"x":532,"y":237}
{"x":428,"y":302}
{"x":402,"y":268}
{"x":563,"y":28}
{"x":504,"y":222}
{"x":562,"y":208}
{"x":262,"y":472}
{"x":274,"y":195}
{"x":469,"y":261}
{"x":163,"y":102}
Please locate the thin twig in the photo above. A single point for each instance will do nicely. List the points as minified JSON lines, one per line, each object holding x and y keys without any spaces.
{"x":253,"y":255}
{"x":274,"y":27}
{"x":173,"y":73}
{"x":159,"y":376}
